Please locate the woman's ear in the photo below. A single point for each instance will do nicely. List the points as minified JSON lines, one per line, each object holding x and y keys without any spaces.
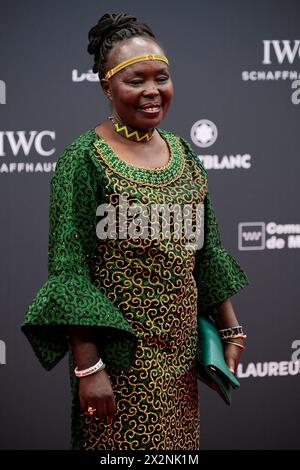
{"x":106,"y":88}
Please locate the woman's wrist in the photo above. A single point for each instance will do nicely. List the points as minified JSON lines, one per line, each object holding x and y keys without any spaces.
{"x":225,"y":315}
{"x":86,"y":355}
{"x":227,"y":320}
{"x":85,"y":349}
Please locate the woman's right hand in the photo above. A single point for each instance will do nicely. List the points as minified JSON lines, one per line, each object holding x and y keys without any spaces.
{"x":96,"y":391}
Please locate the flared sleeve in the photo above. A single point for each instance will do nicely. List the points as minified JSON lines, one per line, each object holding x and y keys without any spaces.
{"x":69,"y":296}
{"x":218,"y":275}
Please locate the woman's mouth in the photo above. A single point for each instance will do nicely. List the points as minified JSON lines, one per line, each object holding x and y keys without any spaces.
{"x":151,"y":110}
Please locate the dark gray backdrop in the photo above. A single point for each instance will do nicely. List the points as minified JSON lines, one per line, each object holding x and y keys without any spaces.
{"x":209,"y":45}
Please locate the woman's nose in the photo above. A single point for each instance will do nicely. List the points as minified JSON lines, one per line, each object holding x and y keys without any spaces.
{"x":150,"y":90}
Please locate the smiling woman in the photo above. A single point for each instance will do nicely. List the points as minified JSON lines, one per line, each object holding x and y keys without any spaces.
{"x":140,"y":89}
{"x":151,"y":74}
{"x":125,"y":307}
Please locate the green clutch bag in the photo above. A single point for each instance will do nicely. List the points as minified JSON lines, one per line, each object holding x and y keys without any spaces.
{"x":211,"y":365}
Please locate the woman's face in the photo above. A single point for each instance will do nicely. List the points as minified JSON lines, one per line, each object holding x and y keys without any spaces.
{"x":141,"y":93}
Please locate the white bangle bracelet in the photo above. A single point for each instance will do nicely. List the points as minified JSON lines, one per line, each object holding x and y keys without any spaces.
{"x":91,"y":370}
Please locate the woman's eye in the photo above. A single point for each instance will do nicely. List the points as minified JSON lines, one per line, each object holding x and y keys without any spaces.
{"x":135,"y":82}
{"x":162,"y":79}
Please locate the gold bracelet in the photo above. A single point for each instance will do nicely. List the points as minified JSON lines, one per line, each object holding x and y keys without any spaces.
{"x":236,"y":344}
{"x":232,"y":332}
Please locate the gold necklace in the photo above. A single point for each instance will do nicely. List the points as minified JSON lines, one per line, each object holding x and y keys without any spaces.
{"x":130,"y":133}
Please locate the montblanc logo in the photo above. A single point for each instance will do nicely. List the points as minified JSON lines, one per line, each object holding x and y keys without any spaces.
{"x":204,"y":134}
{"x":270,"y":236}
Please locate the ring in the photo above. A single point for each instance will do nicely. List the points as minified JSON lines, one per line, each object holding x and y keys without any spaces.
{"x":91,"y":410}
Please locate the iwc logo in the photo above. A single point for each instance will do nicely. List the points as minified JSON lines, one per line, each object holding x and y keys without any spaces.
{"x":204,"y":133}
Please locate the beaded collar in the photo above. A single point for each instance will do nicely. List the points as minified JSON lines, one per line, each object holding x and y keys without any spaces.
{"x":160,"y":176}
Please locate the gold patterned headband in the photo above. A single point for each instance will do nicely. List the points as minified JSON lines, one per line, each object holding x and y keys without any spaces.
{"x":134,"y":60}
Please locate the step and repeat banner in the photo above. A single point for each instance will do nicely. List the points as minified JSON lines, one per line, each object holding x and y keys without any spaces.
{"x":236,"y":72}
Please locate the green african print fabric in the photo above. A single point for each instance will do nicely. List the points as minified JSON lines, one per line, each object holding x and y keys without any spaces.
{"x":142,"y":294}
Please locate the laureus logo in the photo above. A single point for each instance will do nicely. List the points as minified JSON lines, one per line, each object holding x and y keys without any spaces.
{"x":88,"y":76}
{"x":204,"y":133}
{"x":296,"y":347}
{"x":295,"y":96}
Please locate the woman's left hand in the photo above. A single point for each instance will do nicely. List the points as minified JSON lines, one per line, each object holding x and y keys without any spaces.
{"x":233,"y":355}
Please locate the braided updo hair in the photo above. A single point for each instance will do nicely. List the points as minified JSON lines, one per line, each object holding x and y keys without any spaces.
{"x":110,"y":29}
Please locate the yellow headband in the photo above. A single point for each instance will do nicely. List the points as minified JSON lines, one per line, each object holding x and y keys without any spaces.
{"x":134,"y":60}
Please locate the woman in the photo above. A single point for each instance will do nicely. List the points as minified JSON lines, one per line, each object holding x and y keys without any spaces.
{"x":126,"y":306}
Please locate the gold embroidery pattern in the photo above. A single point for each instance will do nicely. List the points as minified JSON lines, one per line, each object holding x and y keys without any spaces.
{"x":151,"y":282}
{"x":156,"y":177}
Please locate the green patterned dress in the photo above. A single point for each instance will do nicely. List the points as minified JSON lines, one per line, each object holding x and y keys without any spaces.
{"x":142,"y":295}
